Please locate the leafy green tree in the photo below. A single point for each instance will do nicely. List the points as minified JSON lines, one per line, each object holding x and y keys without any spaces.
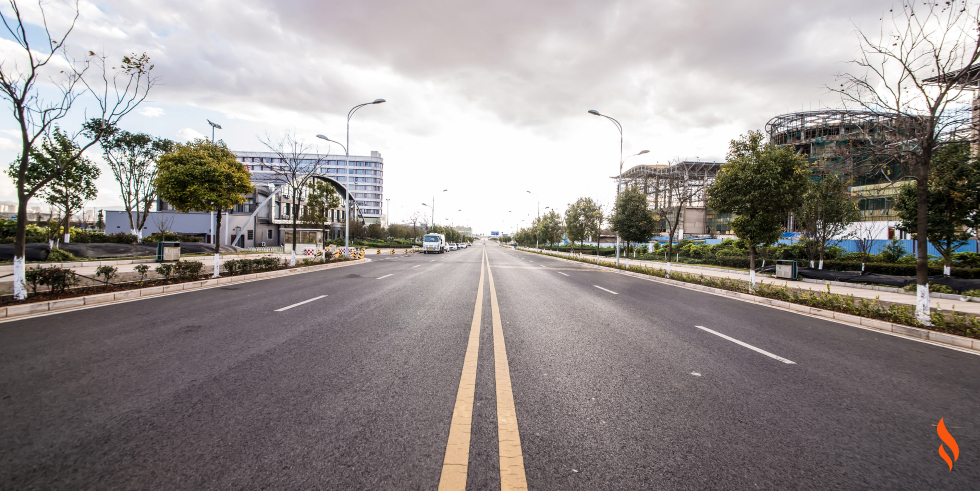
{"x":133,"y":160}
{"x":592,"y":218}
{"x":550,"y":228}
{"x":203,"y":176}
{"x":952,"y":198}
{"x":72,"y":186}
{"x":110,"y":94}
{"x":632,"y":219}
{"x":825,"y":213}
{"x":320,"y":199}
{"x":760,"y":184}
{"x":375,"y":231}
{"x":575,"y":224}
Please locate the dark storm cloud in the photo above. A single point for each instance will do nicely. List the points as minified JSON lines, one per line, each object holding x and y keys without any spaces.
{"x":527,"y":62}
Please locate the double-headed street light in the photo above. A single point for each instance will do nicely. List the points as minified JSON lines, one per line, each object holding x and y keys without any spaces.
{"x":347,"y":170}
{"x":213,"y":126}
{"x":619,"y":180}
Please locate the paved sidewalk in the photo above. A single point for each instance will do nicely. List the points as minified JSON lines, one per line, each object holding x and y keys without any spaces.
{"x":941,"y":303}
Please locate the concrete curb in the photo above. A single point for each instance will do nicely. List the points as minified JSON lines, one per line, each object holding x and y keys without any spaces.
{"x":916,"y":333}
{"x":53,"y":306}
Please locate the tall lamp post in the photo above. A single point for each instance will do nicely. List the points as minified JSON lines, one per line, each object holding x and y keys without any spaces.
{"x":213,"y":126}
{"x":619,"y":180}
{"x":539,"y":218}
{"x":347,"y":170}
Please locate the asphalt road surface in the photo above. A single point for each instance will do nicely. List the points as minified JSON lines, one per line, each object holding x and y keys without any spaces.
{"x":487,"y":368}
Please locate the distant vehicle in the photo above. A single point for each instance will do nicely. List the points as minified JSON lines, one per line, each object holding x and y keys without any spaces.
{"x":453,"y":247}
{"x":435,"y":243}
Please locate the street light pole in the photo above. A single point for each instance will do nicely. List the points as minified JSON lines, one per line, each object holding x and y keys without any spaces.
{"x":213,"y":126}
{"x":347,"y":170}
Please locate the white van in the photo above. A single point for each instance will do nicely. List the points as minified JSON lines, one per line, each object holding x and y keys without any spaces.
{"x":435,"y":243}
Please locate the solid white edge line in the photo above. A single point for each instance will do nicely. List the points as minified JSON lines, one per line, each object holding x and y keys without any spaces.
{"x":562,"y":273}
{"x":749,"y":346}
{"x":301,"y":303}
{"x":385,"y":276}
{"x":601,"y":288}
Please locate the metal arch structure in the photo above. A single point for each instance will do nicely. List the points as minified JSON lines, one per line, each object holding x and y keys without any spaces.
{"x":658,"y":182}
{"x":340,"y":188}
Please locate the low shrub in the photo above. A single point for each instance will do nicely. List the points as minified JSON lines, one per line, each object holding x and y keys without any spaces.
{"x":165,"y":270}
{"x":972,"y":293}
{"x":58,"y":279}
{"x":141,"y":269}
{"x":236,"y":267}
{"x":187,"y":270}
{"x":107,"y":273}
{"x":933,"y":288}
{"x":61,"y":256}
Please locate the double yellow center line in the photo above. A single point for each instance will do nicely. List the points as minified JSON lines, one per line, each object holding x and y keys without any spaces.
{"x":456,"y":462}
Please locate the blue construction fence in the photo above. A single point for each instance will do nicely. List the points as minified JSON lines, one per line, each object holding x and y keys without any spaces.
{"x":851,"y":245}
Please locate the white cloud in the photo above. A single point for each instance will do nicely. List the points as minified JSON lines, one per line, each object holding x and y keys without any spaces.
{"x":483,"y":97}
{"x":151,"y":112}
{"x":188,"y":134}
{"x":8,"y":144}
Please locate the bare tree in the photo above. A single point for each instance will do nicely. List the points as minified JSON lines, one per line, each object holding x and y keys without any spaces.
{"x":112,"y":92}
{"x":132,"y":158}
{"x":917,"y":78}
{"x":414,"y":220}
{"x":295,"y":164}
{"x":164,"y":223}
{"x":674,"y":188}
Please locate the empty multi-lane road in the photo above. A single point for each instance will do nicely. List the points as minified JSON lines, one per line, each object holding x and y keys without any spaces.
{"x":485,"y":367}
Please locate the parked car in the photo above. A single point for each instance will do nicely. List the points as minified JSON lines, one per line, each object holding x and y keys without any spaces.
{"x":452,"y":246}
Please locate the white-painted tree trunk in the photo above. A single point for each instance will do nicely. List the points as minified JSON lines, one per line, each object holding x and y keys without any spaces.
{"x":811,"y":264}
{"x":947,"y":270}
{"x":668,"y":268}
{"x":292,"y":256}
{"x":862,"y":267}
{"x":20,"y":278}
{"x":67,"y":238}
{"x":752,"y":278}
{"x":50,"y":244}
{"x":821,"y":264}
{"x":922,"y":304}
{"x":217,"y":265}
{"x":139,"y":236}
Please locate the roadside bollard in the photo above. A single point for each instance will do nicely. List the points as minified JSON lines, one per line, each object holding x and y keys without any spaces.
{"x":392,"y":251}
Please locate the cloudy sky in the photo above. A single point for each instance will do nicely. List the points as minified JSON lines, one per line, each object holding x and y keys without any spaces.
{"x":488,"y":100}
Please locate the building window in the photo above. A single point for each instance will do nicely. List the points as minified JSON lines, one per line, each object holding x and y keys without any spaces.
{"x":250,"y":235}
{"x":269,"y":234}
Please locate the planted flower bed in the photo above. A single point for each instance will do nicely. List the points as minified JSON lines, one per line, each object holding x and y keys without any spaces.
{"x":56,"y":283}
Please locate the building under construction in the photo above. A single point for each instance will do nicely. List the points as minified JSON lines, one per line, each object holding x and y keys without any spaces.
{"x":848,"y":143}
{"x":853,"y":144}
{"x":684,"y":185}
